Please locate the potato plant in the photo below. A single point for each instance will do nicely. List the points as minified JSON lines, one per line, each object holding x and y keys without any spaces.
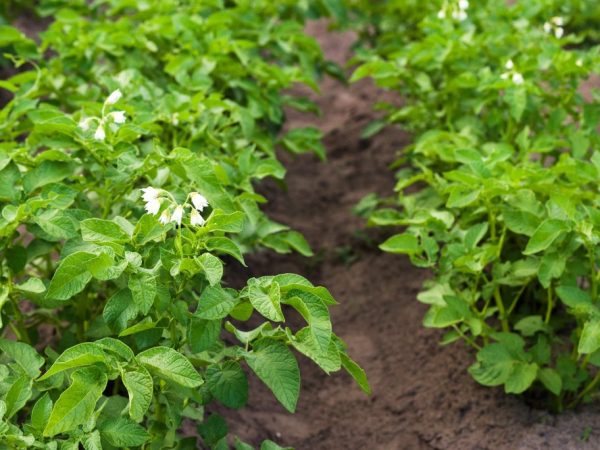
{"x":498,"y":195}
{"x":129,"y":149}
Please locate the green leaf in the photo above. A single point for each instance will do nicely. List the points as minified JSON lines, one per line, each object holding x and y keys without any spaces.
{"x":147,"y":229}
{"x":41,"y":412}
{"x":267,"y":301}
{"x":552,"y":266}
{"x":516,"y":97}
{"x":212,"y":268}
{"x":228,"y":383}
{"x":227,"y":223}
{"x":57,"y":225}
{"x":140,"y":387}
{"x":215,"y":303}
{"x":79,"y":355}
{"x":520,"y":222}
{"x":101,"y":231}
{"x":202,"y":334}
{"x":521,"y":378}
{"x":573,"y":296}
{"x":356,"y":372}
{"x":170,"y":365}
{"x":373,"y":128}
{"x":116,"y":347}
{"x":76,"y":404}
{"x":402,"y":244}
{"x":312,"y":308}
{"x":225,"y":245}
{"x":543,"y":237}
{"x":71,"y":277}
{"x":123,"y":432}
{"x":17,"y":395}
{"x":31,"y":286}
{"x":26,"y":357}
{"x":475,"y":234}
{"x":119,"y":310}
{"x":530,"y":325}
{"x":551,"y":380}
{"x":461,"y":197}
{"x":270,"y":445}
{"x":305,"y":343}
{"x":46,"y":173}
{"x":143,"y":290}
{"x":589,"y":341}
{"x":9,"y":183}
{"x":276,"y":366}
{"x":286,"y":241}
{"x":92,"y":441}
{"x":212,"y":430}
{"x":505,"y":362}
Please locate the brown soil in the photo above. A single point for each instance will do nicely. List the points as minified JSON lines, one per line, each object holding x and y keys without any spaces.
{"x":423,"y":398}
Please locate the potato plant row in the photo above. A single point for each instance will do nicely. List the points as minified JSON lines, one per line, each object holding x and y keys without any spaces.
{"x":499,"y":193}
{"x":132,"y":134}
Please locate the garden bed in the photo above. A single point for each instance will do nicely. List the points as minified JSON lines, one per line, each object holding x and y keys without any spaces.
{"x":423,"y":397}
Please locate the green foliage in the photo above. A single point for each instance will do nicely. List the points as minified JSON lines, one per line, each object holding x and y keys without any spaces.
{"x":130,"y":147}
{"x":498,"y":195}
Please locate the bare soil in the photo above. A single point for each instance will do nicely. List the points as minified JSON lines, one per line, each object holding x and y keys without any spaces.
{"x":423,"y":398}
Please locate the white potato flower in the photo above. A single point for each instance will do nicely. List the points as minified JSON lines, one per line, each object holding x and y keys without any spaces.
{"x":100,"y":134}
{"x":198,"y":200}
{"x":150,"y":193}
{"x":517,"y":78}
{"x":558,"y":21}
{"x":84,"y":124}
{"x":441,"y":14}
{"x":196,"y":219}
{"x":114,"y":97}
{"x":152,"y":206}
{"x":165,"y":217}
{"x":510,"y":65}
{"x":559,"y":32}
{"x":548,"y":27}
{"x":118,"y":116}
{"x":463,"y":4}
{"x":177,"y":215}
{"x":462,"y":15}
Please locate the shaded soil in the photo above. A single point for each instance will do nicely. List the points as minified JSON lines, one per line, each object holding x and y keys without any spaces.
{"x":423,"y":398}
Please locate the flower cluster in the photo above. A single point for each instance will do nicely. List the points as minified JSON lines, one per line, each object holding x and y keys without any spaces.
{"x":511,"y":73}
{"x":457,"y":11}
{"x":555,"y":26}
{"x":113,"y":118}
{"x":174,"y":212}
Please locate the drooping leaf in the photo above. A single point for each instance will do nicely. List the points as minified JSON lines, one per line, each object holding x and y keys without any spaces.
{"x":228,"y":383}
{"x":76,"y":404}
{"x":140,"y":387}
{"x":277,"y":367}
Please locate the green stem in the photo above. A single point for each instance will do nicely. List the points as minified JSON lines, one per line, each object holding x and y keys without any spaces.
{"x":501,"y":309}
{"x":469,"y":341}
{"x":550,"y":305}
{"x":593,"y":272}
{"x":590,"y":387}
{"x":19,"y":328}
{"x":517,"y":297}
